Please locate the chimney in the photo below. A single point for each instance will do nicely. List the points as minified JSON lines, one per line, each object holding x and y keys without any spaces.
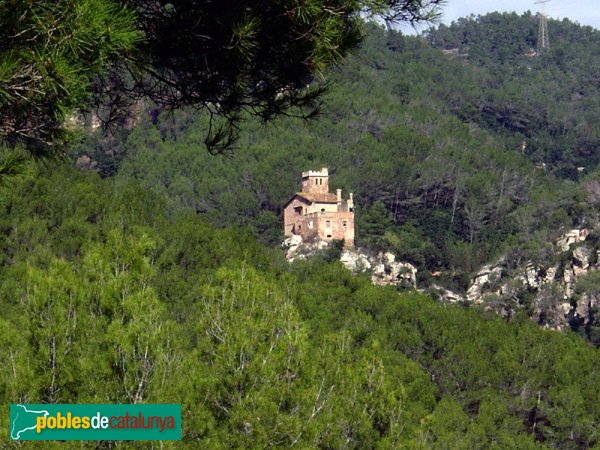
{"x":338,"y":193}
{"x":351,"y":202}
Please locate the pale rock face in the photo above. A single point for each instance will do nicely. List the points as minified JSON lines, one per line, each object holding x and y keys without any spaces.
{"x":553,"y":290}
{"x":511,"y":287}
{"x":581,"y":257}
{"x":293,"y":240}
{"x":572,"y":237}
{"x":384,"y":268}
{"x":355,"y":261}
{"x":569,"y":278}
{"x":446,"y":295}
{"x":586,"y":303}
{"x":389,"y":258}
{"x":531,"y":275}
{"x":389,"y":272}
{"x":553,"y":286}
{"x":294,"y":245}
{"x":486,"y":275}
{"x":550,"y":274}
{"x":322,"y":244}
{"x":378,"y":270}
{"x":385,"y":271}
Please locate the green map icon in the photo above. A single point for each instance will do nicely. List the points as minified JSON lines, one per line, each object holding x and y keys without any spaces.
{"x":24,"y":421}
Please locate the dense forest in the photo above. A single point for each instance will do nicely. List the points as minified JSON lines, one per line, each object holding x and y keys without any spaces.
{"x":435,"y":147}
{"x":107,"y":299}
{"x":548,"y":102}
{"x":156,"y":275}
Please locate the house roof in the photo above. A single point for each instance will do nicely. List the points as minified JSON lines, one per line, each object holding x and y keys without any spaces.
{"x":314,"y":197}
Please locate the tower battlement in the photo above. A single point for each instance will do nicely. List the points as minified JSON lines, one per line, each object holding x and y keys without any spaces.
{"x":316,"y":173}
{"x":316,"y":181}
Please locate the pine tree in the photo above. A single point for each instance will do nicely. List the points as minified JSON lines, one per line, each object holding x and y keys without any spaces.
{"x":224,"y":57}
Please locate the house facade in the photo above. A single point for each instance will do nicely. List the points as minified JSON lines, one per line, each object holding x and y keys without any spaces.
{"x":315,"y":213}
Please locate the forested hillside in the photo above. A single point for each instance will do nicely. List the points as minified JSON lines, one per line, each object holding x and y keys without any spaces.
{"x":448,"y":166}
{"x":107,"y":299}
{"x":160,"y":278}
{"x":549,"y":102}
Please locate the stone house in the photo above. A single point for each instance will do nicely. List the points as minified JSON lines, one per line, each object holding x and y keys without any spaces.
{"x":316,"y":213}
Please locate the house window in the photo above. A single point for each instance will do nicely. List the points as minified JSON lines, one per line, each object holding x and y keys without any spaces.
{"x":328,"y":223}
{"x":299,"y":227}
{"x":351,"y":209}
{"x":316,"y":181}
{"x":345,"y":223}
{"x":328,"y":235}
{"x":322,"y":209}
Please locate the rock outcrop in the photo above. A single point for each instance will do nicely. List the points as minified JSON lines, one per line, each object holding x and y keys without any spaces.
{"x":571,"y":237}
{"x":296,"y":249}
{"x":486,"y":280}
{"x":549,"y":291}
{"x":382,"y":267}
{"x":443,"y":294}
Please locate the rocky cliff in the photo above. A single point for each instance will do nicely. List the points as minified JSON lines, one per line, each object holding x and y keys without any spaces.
{"x":382,"y":267}
{"x":560,"y":293}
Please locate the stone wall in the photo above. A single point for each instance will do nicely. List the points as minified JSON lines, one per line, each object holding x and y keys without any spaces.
{"x":316,"y":181}
{"x":326,"y":225}
{"x":330,"y":226}
{"x":291,"y":219}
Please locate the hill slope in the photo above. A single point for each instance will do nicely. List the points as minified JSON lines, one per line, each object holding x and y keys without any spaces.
{"x":551,"y":102}
{"x":438,"y":172}
{"x":106,"y":299}
{"x":111,"y":288}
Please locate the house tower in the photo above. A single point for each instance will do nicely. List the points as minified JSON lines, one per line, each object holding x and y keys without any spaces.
{"x":315,"y":213}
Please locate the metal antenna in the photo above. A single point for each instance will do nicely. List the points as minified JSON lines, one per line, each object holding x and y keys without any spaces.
{"x":543,"y":43}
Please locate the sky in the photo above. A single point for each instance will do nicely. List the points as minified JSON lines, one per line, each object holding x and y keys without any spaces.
{"x":586,"y":12}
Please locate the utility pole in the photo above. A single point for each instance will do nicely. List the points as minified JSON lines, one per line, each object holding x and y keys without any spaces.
{"x":543,"y":43}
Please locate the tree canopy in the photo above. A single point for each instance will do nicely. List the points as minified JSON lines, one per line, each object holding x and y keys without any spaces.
{"x":226,"y":57}
{"x":107,"y":300}
{"x":50,"y":54}
{"x":136,"y":288}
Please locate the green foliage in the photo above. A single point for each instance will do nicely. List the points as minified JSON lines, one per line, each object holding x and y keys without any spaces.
{"x":122,"y":289}
{"x":11,"y":165}
{"x":221,"y":57}
{"x":115,"y":302}
{"x":51,"y":54}
{"x":510,"y":95}
{"x":430,"y":184}
{"x":373,"y":222}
